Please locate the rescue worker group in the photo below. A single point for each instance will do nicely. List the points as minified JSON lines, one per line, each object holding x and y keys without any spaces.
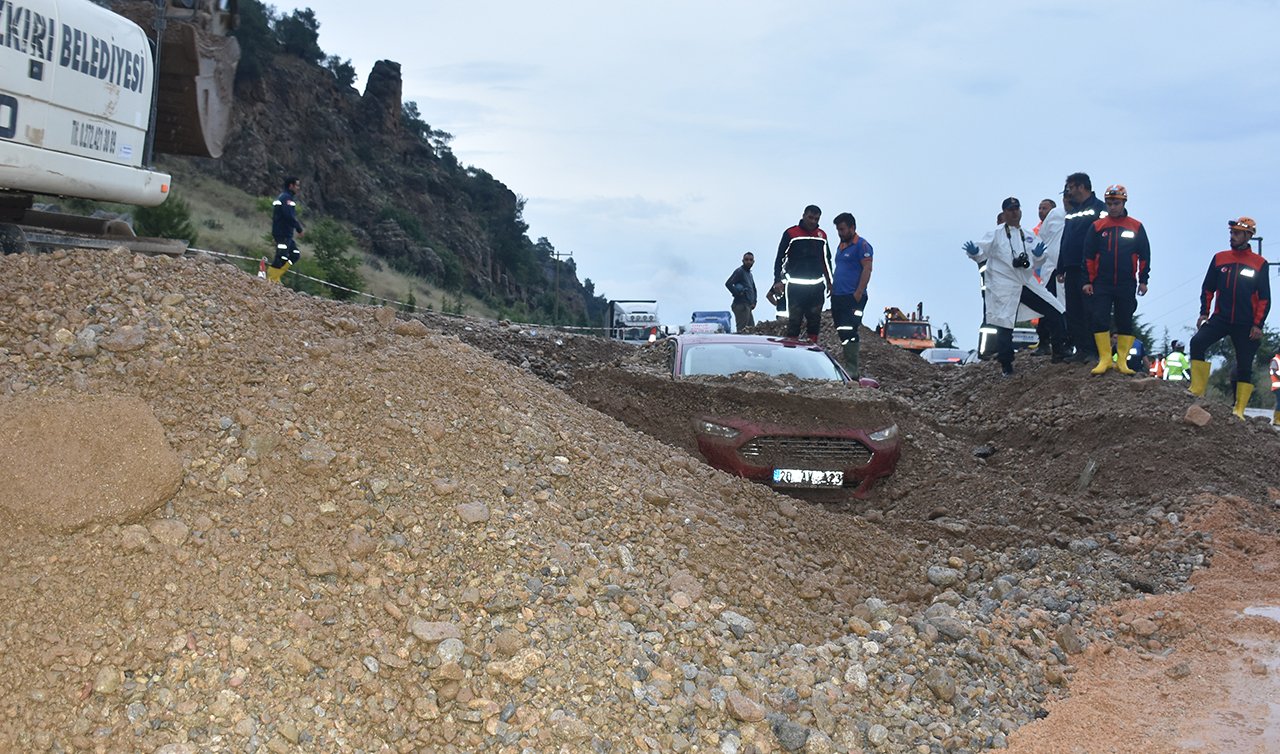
{"x":1080,"y":271}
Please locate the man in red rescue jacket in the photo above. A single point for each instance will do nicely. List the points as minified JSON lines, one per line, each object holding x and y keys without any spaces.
{"x":802,"y":273}
{"x":1236,"y":286}
{"x":1117,"y":260}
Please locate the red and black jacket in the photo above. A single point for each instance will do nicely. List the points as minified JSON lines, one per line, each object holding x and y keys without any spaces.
{"x":1117,"y":252}
{"x":1238,"y":280}
{"x":803,"y":255}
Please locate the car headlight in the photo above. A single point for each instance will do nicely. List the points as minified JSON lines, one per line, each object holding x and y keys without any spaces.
{"x":717,"y":430}
{"x":888,"y":433}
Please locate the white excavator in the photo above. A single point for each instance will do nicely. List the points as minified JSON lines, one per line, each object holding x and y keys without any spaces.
{"x":87,"y":97}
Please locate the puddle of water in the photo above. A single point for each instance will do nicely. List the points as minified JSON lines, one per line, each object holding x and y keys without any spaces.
{"x":1264,"y":611}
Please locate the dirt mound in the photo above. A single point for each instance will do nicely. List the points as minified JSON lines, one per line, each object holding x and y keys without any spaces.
{"x":67,"y":464}
{"x":386,"y":539}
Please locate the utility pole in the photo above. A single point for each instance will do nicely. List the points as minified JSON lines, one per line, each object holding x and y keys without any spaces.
{"x":558,"y":255}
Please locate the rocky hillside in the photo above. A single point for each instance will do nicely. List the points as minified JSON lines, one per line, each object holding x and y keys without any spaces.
{"x":363,"y":159}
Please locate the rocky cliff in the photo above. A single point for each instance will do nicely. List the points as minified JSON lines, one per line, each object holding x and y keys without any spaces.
{"x":363,"y":161}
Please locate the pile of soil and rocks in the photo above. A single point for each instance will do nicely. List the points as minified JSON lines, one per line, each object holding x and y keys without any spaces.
{"x":360,"y":533}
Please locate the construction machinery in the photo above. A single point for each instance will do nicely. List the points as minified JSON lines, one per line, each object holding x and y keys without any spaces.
{"x":911,"y":331}
{"x":87,"y":98}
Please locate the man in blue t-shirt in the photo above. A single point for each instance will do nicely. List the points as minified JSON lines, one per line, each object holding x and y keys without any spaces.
{"x":849,"y":288}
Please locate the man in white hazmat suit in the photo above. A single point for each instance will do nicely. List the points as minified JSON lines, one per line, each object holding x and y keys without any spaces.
{"x":1005,"y":257}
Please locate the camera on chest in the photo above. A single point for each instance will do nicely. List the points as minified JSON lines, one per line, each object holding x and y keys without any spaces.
{"x":1021,"y":260}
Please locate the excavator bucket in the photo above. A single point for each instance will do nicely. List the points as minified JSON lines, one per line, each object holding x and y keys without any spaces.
{"x":197,"y":73}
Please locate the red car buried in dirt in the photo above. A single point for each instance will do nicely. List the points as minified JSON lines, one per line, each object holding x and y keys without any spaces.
{"x":788,"y":456}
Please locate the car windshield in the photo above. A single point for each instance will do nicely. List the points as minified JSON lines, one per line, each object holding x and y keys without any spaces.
{"x":941,"y":355}
{"x":724,"y":359}
{"x":906,"y":330}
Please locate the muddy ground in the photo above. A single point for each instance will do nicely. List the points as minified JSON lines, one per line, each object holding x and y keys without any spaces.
{"x":382,"y":538}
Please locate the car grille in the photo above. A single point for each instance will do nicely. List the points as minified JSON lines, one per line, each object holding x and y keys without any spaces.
{"x":823,"y":453}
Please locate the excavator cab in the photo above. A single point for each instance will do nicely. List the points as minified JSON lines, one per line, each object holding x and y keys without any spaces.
{"x":198,"y":59}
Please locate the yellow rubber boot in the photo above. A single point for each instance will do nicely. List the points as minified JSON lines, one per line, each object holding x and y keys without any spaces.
{"x":1275,"y":418}
{"x":1243,"y":391}
{"x":1103,"y":339}
{"x":1199,"y":377}
{"x":1123,"y":344}
{"x":274,"y":274}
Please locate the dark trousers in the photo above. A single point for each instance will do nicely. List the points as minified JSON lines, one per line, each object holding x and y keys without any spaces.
{"x":286,"y":251}
{"x":846,"y":312}
{"x":1079,"y":319}
{"x":1042,"y":327}
{"x":742,"y":317}
{"x":1122,"y":300}
{"x":804,"y":301}
{"x":1048,"y":315}
{"x":1215,"y":330}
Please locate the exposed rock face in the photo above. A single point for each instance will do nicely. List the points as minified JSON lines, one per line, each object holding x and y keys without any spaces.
{"x":359,"y":162}
{"x":381,"y":102}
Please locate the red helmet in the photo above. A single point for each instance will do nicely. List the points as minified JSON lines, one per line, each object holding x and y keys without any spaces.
{"x":1116,"y":191}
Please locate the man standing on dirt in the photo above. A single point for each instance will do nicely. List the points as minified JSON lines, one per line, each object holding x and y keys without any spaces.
{"x":1082,"y":208}
{"x":849,"y":288}
{"x":1237,"y":286}
{"x":1117,"y":259}
{"x":802,"y":273}
{"x":743,"y":287}
{"x":284,"y":221}
{"x":1007,"y":254}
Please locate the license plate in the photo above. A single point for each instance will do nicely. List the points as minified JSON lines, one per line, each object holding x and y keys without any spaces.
{"x":808,"y":478}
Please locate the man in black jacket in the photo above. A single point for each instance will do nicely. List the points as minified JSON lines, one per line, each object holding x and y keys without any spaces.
{"x":1083,"y":208}
{"x":284,"y":221}
{"x":743,"y":287}
{"x":802,"y":272}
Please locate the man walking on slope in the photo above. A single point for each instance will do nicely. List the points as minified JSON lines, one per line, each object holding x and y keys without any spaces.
{"x":1236,"y":285}
{"x":1082,"y":208}
{"x":802,"y":273}
{"x":849,"y":288}
{"x":743,"y":287}
{"x":1116,"y":255}
{"x":284,"y":221}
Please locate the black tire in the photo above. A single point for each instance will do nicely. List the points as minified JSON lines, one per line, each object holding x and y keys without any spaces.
{"x":12,"y":240}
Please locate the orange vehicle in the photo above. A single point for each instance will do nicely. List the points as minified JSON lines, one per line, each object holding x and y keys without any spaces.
{"x":909,"y":331}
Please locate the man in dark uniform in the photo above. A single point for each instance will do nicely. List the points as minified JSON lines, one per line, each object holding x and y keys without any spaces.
{"x":1237,"y":279}
{"x":284,"y":221}
{"x":1083,"y":208}
{"x":802,"y":272}
{"x":1117,"y":260}
{"x":743,"y":287}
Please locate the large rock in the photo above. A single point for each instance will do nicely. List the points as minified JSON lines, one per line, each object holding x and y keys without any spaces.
{"x":66,"y":464}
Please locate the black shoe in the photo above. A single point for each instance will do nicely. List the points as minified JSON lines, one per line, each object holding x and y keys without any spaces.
{"x":1006,"y":371}
{"x":1058,"y":357}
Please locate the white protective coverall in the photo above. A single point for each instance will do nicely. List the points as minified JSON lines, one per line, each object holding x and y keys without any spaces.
{"x":1051,"y":236}
{"x":1005,"y":282}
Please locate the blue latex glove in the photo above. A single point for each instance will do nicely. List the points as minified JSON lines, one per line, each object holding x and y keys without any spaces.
{"x":971,"y":248}
{"x":1038,"y":251}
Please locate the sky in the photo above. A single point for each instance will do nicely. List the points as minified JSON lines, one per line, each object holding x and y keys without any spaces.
{"x":659,"y":140}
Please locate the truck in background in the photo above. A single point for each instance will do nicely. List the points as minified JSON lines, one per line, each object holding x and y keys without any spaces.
{"x":709,"y":322}
{"x":912,"y":332}
{"x":633,"y":321}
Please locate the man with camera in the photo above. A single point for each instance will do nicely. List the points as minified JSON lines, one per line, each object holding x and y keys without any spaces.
{"x":1005,"y":255}
{"x":1117,"y":260}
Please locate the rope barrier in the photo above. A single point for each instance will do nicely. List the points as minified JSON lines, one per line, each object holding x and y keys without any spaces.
{"x":573,"y":329}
